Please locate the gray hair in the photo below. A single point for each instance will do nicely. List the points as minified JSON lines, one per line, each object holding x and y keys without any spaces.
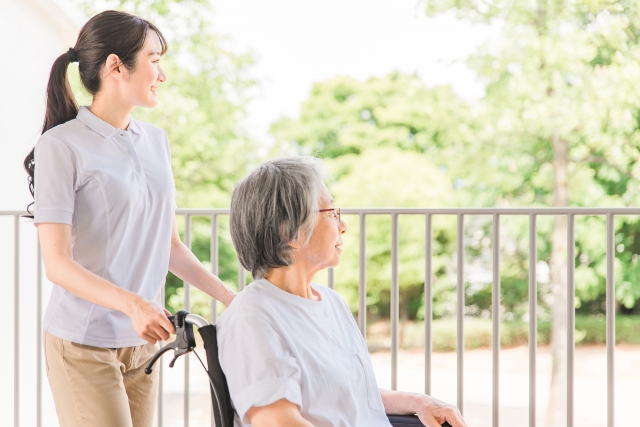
{"x":273,"y":205}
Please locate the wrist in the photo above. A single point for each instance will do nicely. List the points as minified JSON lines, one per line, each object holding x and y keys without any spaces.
{"x":418,"y":401}
{"x":128,"y":302}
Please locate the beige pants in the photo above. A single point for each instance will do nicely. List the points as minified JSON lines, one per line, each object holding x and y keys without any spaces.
{"x":95,"y":387}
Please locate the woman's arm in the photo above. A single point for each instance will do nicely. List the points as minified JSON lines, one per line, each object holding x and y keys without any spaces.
{"x":184,"y":264}
{"x":432,"y":412}
{"x":149,"y":320}
{"x":281,"y":413}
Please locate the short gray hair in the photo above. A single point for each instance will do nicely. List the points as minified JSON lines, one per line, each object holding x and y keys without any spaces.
{"x":273,"y":205}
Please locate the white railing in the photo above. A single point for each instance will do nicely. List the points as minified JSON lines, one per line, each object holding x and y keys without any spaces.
{"x":394,"y":213}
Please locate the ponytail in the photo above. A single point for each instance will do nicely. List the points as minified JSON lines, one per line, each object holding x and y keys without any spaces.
{"x":109,"y":32}
{"x":61,"y":106}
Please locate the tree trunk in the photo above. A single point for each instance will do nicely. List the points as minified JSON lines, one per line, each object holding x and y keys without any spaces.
{"x":556,"y":413}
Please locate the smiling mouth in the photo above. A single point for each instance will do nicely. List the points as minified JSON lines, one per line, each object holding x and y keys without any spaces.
{"x":154,"y":89}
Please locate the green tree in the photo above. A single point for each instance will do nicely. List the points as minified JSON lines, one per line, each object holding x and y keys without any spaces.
{"x":562,"y":105}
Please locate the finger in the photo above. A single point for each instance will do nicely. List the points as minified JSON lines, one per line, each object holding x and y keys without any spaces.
{"x":165,"y":324}
{"x":455,"y":419}
{"x":148,"y":338}
{"x":157,"y":331}
{"x":167,"y":312}
{"x":429,"y":420}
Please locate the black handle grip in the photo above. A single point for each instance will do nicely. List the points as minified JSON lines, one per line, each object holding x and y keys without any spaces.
{"x":408,"y":421}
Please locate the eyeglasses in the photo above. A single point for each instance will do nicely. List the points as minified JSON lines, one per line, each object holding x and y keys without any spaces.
{"x":336,"y":212}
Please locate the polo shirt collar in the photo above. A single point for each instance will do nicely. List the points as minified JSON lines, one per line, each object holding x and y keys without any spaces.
{"x":102,"y":127}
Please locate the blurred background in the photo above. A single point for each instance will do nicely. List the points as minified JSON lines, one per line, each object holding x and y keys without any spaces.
{"x":439,"y":103}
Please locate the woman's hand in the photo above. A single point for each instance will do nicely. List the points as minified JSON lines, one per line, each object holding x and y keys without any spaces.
{"x":433,"y":412}
{"x":149,"y":320}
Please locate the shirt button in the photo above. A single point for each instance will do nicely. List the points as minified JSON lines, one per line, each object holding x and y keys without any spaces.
{"x":122,"y":134}
{"x":137,"y":169}
{"x":130,"y":153}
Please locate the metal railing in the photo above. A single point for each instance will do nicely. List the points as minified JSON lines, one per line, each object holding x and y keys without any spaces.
{"x":395,"y":213}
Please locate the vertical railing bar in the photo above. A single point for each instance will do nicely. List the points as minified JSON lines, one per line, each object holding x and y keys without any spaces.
{"x":571,"y":245}
{"x":428,"y":302}
{"x":611,"y":319}
{"x":161,"y":373}
{"x":242,"y":277}
{"x":460,"y":312}
{"x":533,"y":317}
{"x":395,"y":303}
{"x":187,"y":307}
{"x":330,"y":278}
{"x":214,"y":265}
{"x":16,"y":320}
{"x":362,"y":282}
{"x":39,"y":333}
{"x":495,"y":317}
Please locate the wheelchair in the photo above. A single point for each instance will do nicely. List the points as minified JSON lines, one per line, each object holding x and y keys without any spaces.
{"x":223,"y":411}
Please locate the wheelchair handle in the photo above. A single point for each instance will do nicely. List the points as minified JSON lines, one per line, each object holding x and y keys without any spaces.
{"x":185,"y":340}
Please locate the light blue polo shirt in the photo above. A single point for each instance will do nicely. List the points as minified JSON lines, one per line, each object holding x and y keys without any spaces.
{"x":116,"y":190}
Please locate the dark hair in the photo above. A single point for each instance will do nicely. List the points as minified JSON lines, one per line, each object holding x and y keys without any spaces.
{"x":109,"y":32}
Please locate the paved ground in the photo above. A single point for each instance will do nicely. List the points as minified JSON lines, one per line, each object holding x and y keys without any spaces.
{"x":590,"y":385}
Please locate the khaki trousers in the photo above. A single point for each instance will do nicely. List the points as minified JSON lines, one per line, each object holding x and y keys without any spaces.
{"x":96,"y":387}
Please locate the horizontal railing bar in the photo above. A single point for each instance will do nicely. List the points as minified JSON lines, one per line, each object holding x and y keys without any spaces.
{"x":453,"y":211}
{"x":433,"y":211}
{"x":492,"y":211}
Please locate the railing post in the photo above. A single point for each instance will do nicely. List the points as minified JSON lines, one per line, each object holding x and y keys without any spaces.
{"x":460,"y":312}
{"x":16,"y":321}
{"x":362,"y":280}
{"x":533,"y":317}
{"x":428,"y":301}
{"x":571,"y":313}
{"x":395,"y":301}
{"x":187,"y":307}
{"x":39,"y":333}
{"x":611,"y":319}
{"x":495,"y":317}
{"x":242,"y":277}
{"x":213,"y":244}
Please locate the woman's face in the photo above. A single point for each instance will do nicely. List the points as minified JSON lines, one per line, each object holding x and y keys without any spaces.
{"x":325,"y":246}
{"x":141,"y":84}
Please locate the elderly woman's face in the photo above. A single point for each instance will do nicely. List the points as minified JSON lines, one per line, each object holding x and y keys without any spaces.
{"x":325,"y":246}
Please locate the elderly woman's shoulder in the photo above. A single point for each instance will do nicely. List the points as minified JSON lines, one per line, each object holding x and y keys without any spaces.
{"x":250,"y":301}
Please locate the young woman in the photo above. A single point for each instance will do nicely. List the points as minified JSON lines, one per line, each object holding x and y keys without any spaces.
{"x":104,"y":208}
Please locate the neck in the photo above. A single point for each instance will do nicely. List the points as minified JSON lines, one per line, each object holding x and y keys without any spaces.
{"x":293,"y":280}
{"x":111,"y":110}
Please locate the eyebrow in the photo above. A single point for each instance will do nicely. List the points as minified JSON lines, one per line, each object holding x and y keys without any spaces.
{"x":155,"y":53}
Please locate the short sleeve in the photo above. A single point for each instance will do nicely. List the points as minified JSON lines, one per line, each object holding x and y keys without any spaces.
{"x":55,"y":178}
{"x":258,"y":364}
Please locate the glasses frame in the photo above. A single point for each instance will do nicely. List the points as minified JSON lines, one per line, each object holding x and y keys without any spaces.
{"x":335,"y":210}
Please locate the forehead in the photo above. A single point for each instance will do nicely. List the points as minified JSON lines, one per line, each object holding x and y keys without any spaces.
{"x":325,"y":196}
{"x":152,"y":43}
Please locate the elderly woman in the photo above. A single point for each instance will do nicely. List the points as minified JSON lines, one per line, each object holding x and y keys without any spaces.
{"x":290,"y":349}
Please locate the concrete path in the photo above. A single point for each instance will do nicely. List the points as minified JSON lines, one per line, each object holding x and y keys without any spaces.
{"x":590,"y":386}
